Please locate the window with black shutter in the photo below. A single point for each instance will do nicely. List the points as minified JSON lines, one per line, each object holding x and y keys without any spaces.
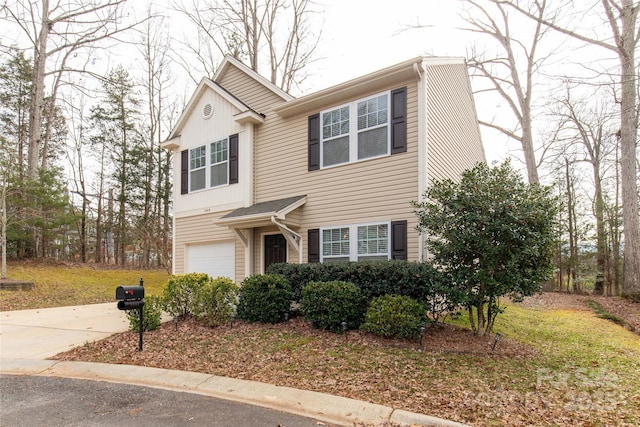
{"x":370,"y":127}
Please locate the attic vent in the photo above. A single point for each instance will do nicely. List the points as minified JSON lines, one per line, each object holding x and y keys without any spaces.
{"x":207,"y":111}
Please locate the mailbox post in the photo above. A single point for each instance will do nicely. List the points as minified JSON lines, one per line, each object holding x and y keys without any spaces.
{"x":132,"y":298}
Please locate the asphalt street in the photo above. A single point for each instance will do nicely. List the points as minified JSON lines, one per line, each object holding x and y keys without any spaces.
{"x":33,"y":401}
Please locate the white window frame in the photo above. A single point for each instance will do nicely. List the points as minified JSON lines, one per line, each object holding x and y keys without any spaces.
{"x":224,"y":141}
{"x":353,"y":241}
{"x":207,"y":165}
{"x":354,"y":131}
{"x":199,"y":167}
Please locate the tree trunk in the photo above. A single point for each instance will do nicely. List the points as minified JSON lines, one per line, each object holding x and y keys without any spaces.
{"x":628,"y":134}
{"x":601,"y":238}
{"x":37,"y":94}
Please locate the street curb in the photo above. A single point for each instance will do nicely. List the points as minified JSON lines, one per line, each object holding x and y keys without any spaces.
{"x":324,"y":407}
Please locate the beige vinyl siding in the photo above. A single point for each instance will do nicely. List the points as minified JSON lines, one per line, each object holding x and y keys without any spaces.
{"x":368,"y":191}
{"x":453,"y":136}
{"x":200,"y":229}
{"x":248,"y":90}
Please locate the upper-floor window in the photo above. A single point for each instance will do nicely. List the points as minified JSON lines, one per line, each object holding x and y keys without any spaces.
{"x":211,"y":165}
{"x":197,"y":170}
{"x":219,"y":160}
{"x":345,"y":140}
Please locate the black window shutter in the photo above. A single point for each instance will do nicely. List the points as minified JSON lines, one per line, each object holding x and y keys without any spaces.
{"x":184,"y":171}
{"x":313,"y":241}
{"x":399,"y":240}
{"x":399,"y":120}
{"x":233,"y":159}
{"x":314,"y":142}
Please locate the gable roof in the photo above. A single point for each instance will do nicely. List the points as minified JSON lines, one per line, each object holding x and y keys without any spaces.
{"x":213,"y":84}
{"x":206,"y":84}
{"x":229,"y":61}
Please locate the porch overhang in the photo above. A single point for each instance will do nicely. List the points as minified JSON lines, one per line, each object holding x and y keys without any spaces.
{"x":263,"y":214}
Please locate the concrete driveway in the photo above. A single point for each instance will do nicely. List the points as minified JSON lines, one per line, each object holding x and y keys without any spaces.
{"x":45,"y":332}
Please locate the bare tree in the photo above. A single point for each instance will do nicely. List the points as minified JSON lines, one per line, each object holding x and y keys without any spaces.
{"x":75,"y":156}
{"x":56,"y":31}
{"x":621,"y":17}
{"x":591,"y":130}
{"x":273,"y":33}
{"x":510,"y":72}
{"x":154,"y":48}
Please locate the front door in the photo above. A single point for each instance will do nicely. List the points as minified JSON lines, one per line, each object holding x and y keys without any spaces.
{"x":275,"y":249}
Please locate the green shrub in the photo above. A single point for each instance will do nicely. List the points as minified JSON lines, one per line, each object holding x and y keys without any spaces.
{"x":425,"y":283}
{"x":264,"y":298}
{"x":374,"y":278}
{"x":215,"y":301}
{"x":179,"y":293}
{"x":395,"y":316}
{"x":151,"y":315}
{"x":419,"y":280}
{"x":327,"y":304}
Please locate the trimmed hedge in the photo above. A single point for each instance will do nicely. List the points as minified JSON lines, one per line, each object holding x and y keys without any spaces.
{"x":374,"y":278}
{"x":264,"y":298}
{"x":327,"y":304}
{"x":420,"y":281}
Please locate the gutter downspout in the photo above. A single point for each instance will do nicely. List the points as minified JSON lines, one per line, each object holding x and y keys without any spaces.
{"x":293,"y":238}
{"x":422,"y":146}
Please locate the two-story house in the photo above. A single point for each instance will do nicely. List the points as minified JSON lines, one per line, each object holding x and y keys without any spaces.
{"x":262,"y":177}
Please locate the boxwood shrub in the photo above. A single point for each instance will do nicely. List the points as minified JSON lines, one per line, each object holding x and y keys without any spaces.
{"x":264,"y":298}
{"x":151,"y":314}
{"x":395,"y":316}
{"x":179,"y":293}
{"x":327,"y":304}
{"x":215,"y":301}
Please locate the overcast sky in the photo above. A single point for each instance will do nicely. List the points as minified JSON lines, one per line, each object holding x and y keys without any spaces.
{"x":360,"y":36}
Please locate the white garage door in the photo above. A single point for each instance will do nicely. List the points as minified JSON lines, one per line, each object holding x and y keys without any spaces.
{"x":215,"y":259}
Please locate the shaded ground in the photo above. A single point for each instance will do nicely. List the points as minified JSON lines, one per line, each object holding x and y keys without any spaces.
{"x":625,"y":310}
{"x":450,"y":374}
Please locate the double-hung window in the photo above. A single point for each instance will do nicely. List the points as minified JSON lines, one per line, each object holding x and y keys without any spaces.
{"x":356,"y":131}
{"x":197,"y":168}
{"x":219,"y":161}
{"x":336,"y":245}
{"x":373,"y":127}
{"x":208,"y":166}
{"x":357,"y":242}
{"x":373,"y":242}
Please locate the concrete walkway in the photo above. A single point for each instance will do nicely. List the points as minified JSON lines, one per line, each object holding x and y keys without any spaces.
{"x":28,"y":337}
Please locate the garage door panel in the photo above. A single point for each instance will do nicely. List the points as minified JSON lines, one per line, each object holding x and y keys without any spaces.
{"x":214,"y":259}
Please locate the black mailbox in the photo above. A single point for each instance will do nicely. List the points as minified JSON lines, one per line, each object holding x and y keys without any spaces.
{"x":125,"y":293}
{"x":130,"y":297}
